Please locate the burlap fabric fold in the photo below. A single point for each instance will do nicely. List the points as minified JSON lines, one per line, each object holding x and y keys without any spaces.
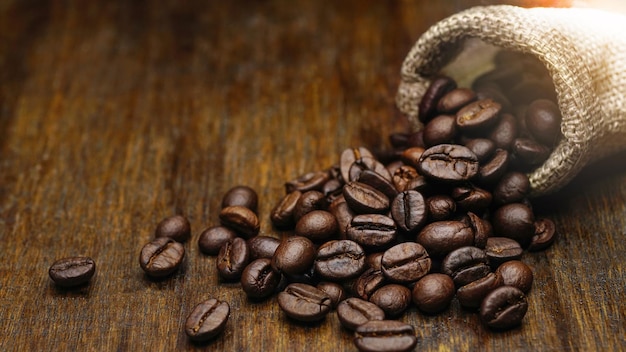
{"x":584,"y":51}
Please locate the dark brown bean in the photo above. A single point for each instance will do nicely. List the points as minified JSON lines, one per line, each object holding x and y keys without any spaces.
{"x":259,"y":280}
{"x":465,"y":265}
{"x":405,"y":262}
{"x":176,"y":227}
{"x":471,"y":198}
{"x":213,"y":238}
{"x":342,"y":212}
{"x":440,"y":207}
{"x":262,"y":247}
{"x":308,"y":201}
{"x":334,"y":290}
{"x":375,"y":180}
{"x":409,"y":211}
{"x":433,"y":293}
{"x":448,"y":163}
{"x":472,"y":294}
{"x":402,"y":176}
{"x":207,"y":320}
{"x":393,"y":299}
{"x":161,"y":257}
{"x":455,"y":100}
{"x":368,"y":282}
{"x":241,"y":195}
{"x":232,"y":259}
{"x":482,"y":148}
{"x":317,"y":225}
{"x":543,"y":121}
{"x":517,"y":274}
{"x":72,"y":271}
{"x":294,"y":255}
{"x":516,"y":221}
{"x":241,"y":219}
{"x":385,"y":335}
{"x":372,"y":230}
{"x":504,"y":132}
{"x":436,"y":89}
{"x":513,"y":187}
{"x":339,"y":260}
{"x":304,"y":302}
{"x":545,"y":234}
{"x":478,"y":116}
{"x":282,"y":214}
{"x":502,"y":249}
{"x":440,"y":130}
{"x":308,"y":182}
{"x":354,"y":312}
{"x":503,"y":308}
{"x":493,"y":170}
{"x":348,"y":157}
{"x":364,"y":199}
{"x":441,"y":237}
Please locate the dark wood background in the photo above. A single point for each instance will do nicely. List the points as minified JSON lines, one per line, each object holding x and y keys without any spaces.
{"x":116,"y":114}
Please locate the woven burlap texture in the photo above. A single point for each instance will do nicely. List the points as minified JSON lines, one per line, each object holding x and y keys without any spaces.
{"x":584,"y":50}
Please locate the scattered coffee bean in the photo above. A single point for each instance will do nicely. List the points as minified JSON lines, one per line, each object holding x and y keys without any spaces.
{"x":433,"y":293}
{"x":465,"y":265}
{"x":368,"y":282}
{"x":294,"y":255}
{"x":317,"y":225}
{"x":262,"y":247}
{"x":176,"y":227}
{"x":241,"y":219}
{"x":161,"y":257}
{"x":503,"y":308}
{"x":393,"y":299}
{"x":516,"y":221}
{"x":372,"y":230}
{"x":354,"y":312}
{"x":405,"y":262}
{"x":241,"y":196}
{"x":304,"y":302}
{"x":409,"y":210}
{"x":502,"y":249}
{"x":307,"y":182}
{"x":309,"y":201}
{"x":232,"y":259}
{"x":72,"y":271}
{"x":207,"y":320}
{"x":472,"y":294}
{"x":334,"y":290}
{"x":435,"y":91}
{"x":441,"y":237}
{"x":385,"y":335}
{"x":213,"y":238}
{"x":448,"y":163}
{"x":259,"y":280}
{"x":364,"y":199}
{"x":543,"y":121}
{"x":339,"y":260}
{"x":517,"y":274}
{"x":282,"y":214}
{"x":545,"y":234}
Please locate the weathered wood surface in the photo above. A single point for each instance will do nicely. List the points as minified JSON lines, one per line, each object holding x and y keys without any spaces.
{"x":115,"y":114}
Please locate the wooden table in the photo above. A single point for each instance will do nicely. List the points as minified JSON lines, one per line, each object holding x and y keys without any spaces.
{"x":116,"y":114}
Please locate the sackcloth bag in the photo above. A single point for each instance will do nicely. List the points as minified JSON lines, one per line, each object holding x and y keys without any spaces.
{"x":583,"y":50}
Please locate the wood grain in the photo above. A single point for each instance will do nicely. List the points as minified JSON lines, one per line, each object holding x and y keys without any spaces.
{"x":116,"y":114}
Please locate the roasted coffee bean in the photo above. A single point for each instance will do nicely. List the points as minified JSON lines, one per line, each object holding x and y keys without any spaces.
{"x":262,"y":247}
{"x":372,"y":230}
{"x":543,"y":121}
{"x":482,"y":229}
{"x":502,"y":249}
{"x":309,"y":201}
{"x":348,"y":157}
{"x":516,"y":221}
{"x":308,"y":182}
{"x":505,"y":131}
{"x":409,"y":211}
{"x":455,"y":100}
{"x":342,"y":212}
{"x":422,"y":185}
{"x":232,"y":259}
{"x":317,"y":225}
{"x":517,"y":274}
{"x":435,"y":91}
{"x":472,"y":294}
{"x":493,"y":170}
{"x":241,"y":219}
{"x":207,"y":320}
{"x":385,"y":335}
{"x":441,"y":237}
{"x":405,"y":262}
{"x":242,"y":196}
{"x":529,"y":153}
{"x":545,"y":234}
{"x":334,"y":290}
{"x":513,"y":187}
{"x":368,"y":282}
{"x":440,"y":130}
{"x":364,"y":199}
{"x":433,"y":293}
{"x":213,"y":238}
{"x":503,"y":308}
{"x":161,"y":257}
{"x":294,"y":255}
{"x":72,"y":271}
{"x":339,"y":260}
{"x":282,"y":214}
{"x":465,"y":265}
{"x":375,"y":180}
{"x":448,"y":163}
{"x":176,"y":227}
{"x":367,"y":163}
{"x":393,"y":299}
{"x":402,"y":176}
{"x":374,"y":260}
{"x":332,"y":189}
{"x":471,"y":198}
{"x":478,"y":116}
{"x":304,"y":302}
{"x":354,"y":312}
{"x":440,"y":207}
{"x":411,"y":156}
{"x":259,"y":280}
{"x":482,"y":148}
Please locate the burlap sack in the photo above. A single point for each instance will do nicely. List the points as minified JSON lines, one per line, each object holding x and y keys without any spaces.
{"x":584,"y":51}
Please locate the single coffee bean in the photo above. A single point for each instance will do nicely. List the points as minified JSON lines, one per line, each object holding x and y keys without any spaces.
{"x":405,"y":262}
{"x":440,"y":130}
{"x":364,"y":199}
{"x":309,"y":201}
{"x":232,"y":259}
{"x":543,"y":121}
{"x":242,"y":196}
{"x":504,"y":132}
{"x":409,"y":211}
{"x":207,"y":320}
{"x":478,"y":116}
{"x":282,"y":214}
{"x":393,"y":299}
{"x":367,"y":163}
{"x":513,"y":187}
{"x":472,"y":294}
{"x":334,"y":290}
{"x":332,"y":189}
{"x":517,"y":274}
{"x":241,"y":219}
{"x":502,"y":249}
{"x":385,"y":335}
{"x":161,"y":257}
{"x":317,"y":225}
{"x":368,"y":282}
{"x":339,"y":260}
{"x":448,"y":163}
{"x":213,"y":238}
{"x":304,"y":302}
{"x":372,"y":230}
{"x":493,"y":170}
{"x":375,"y":180}
{"x":503,"y":308}
{"x":354,"y":312}
{"x":259,"y":280}
{"x":482,"y":229}
{"x":72,"y":271}
{"x":374,"y":260}
{"x":440,"y":207}
{"x":435,"y":91}
{"x":294,"y":255}
{"x":516,"y":221}
{"x":465,"y":265}
{"x":342,"y":212}
{"x":529,"y":153}
{"x":471,"y":198}
{"x":482,"y":148}
{"x":262,"y":247}
{"x":545,"y":234}
{"x":411,"y":156}
{"x":308,"y":182}
{"x":402,"y":176}
{"x":433,"y":293}
{"x":455,"y":100}
{"x":441,"y":237}
{"x":176,"y":227}
{"x":348,"y":157}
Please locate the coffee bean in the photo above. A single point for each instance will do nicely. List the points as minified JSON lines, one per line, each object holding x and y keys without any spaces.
{"x":348,"y":157}
{"x":402,"y":176}
{"x":517,"y":274}
{"x":294,"y":255}
{"x":471,"y":198}
{"x":411,"y":156}
{"x":317,"y":225}
{"x":259,"y":280}
{"x":409,"y":211}
{"x":241,"y":219}
{"x":433,"y":293}
{"x":354,"y":312}
{"x":375,"y":180}
{"x":332,"y":189}
{"x":472,"y":294}
{"x":307,"y":182}
{"x":482,"y":148}
{"x":213,"y":238}
{"x":448,"y":163}
{"x":502,"y":249}
{"x":161,"y":257}
{"x":72,"y":271}
{"x":207,"y":320}
{"x":262,"y":247}
{"x":374,"y":260}
{"x":503,"y":308}
{"x":440,"y":207}
{"x":372,"y":230}
{"x":242,"y":196}
{"x":545,"y":234}
{"x":367,"y":163}
{"x":309,"y":201}
{"x":364,"y":199}
{"x":232,"y":259}
{"x":334,"y":290}
{"x":282,"y":214}
{"x":493,"y":170}
{"x":385,"y":335}
{"x":435,"y":91}
{"x":339,"y":260}
{"x":482,"y":229}
{"x":441,"y":237}
{"x":304,"y":302}
{"x":543,"y":121}
{"x":505,"y":131}
{"x":465,"y":265}
{"x":342,"y":212}
{"x":405,"y":262}
{"x":368,"y":282}
{"x":513,"y":187}
{"x":176,"y":227}
{"x":393,"y":299}
{"x":529,"y":153}
{"x":440,"y":130}
{"x":455,"y":100}
{"x":516,"y":221}
{"x":478,"y":116}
